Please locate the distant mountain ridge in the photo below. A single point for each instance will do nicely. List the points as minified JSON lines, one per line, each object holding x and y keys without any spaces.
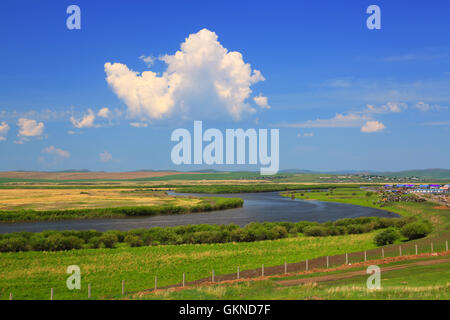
{"x":436,"y":174}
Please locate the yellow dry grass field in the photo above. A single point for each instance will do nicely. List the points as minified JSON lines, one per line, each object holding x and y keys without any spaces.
{"x":88,"y":175}
{"x":48,"y":199}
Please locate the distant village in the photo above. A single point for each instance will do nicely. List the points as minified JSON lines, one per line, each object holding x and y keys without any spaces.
{"x":416,"y":188}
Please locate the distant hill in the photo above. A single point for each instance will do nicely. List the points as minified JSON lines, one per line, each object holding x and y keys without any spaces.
{"x":443,"y":174}
{"x":298,"y":171}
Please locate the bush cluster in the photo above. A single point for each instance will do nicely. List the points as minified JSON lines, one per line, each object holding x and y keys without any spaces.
{"x":198,"y":234}
{"x":411,"y":231}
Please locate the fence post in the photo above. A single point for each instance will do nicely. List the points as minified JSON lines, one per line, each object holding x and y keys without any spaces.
{"x":446,"y":245}
{"x":238,"y":272}
{"x":416,"y":250}
{"x":156,"y":282}
{"x":365,"y":256}
{"x":400,"y":250}
{"x":89,"y":291}
{"x":328,"y":262}
{"x":123,"y":287}
{"x":212,"y":276}
{"x":51,"y":294}
{"x":285,"y":267}
{"x":184,"y":279}
{"x":306,"y":264}
{"x":346,"y":258}
{"x":382,"y":253}
{"x":10,"y":296}
{"x":432,"y":247}
{"x":262,"y":270}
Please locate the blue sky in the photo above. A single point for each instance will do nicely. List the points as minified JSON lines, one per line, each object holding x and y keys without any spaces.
{"x":343,"y":96}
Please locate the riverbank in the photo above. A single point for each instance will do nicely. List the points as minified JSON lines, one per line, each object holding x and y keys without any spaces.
{"x":439,"y":218}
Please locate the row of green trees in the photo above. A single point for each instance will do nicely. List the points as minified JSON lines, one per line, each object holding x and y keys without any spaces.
{"x":191,"y":234}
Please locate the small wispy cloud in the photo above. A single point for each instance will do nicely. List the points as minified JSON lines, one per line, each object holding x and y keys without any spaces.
{"x":148,"y":60}
{"x":104,"y":113}
{"x":424,"y":107}
{"x":437,"y":123}
{"x":338,"y":121}
{"x":4,"y":128}
{"x":306,"y":134}
{"x":139,"y":124}
{"x":390,"y":107}
{"x":404,"y":57}
{"x":261,"y":101}
{"x":87,"y":121}
{"x":338,"y":83}
{"x":415,"y":56}
{"x":105,"y":156}
{"x":57,"y":152}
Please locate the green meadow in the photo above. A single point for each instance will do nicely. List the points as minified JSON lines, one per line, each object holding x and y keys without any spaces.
{"x":30,"y":275}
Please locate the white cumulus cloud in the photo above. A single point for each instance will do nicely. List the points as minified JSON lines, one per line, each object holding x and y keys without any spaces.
{"x":202,"y":79}
{"x":30,"y":128}
{"x":372,"y":126}
{"x":4,"y":128}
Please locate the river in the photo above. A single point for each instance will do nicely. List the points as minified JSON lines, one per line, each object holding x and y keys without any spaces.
{"x":262,"y":206}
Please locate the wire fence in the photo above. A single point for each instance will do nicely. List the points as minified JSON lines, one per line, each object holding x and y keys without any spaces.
{"x":391,"y":251}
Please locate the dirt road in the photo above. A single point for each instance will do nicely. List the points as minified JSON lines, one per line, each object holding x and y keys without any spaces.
{"x":352,"y":274}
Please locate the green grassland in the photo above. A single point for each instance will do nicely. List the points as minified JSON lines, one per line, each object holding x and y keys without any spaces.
{"x":421,"y":282}
{"x":30,"y":275}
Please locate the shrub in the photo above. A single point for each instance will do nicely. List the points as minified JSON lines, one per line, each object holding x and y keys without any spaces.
{"x":108,"y":240}
{"x":315,"y":231}
{"x":279,"y":232}
{"x":303,"y":224}
{"x":134,"y":241}
{"x":239,"y":235}
{"x":58,"y":242}
{"x":416,"y":230}
{"x":335,"y":231}
{"x":387,"y":236}
{"x":94,"y":242}
{"x":13,"y":244}
{"x":39,"y":243}
{"x":355,"y":229}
